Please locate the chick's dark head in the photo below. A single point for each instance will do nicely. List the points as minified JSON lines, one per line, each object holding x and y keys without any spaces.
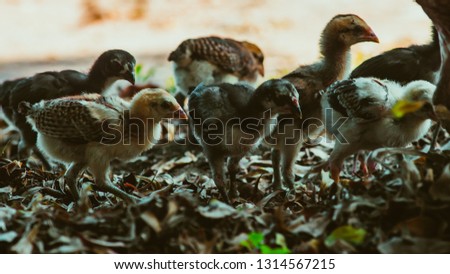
{"x":257,"y":54}
{"x":280,"y":96}
{"x":115,"y":64}
{"x":349,"y":29}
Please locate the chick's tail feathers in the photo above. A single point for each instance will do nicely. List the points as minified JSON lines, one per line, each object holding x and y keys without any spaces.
{"x":2,"y":93}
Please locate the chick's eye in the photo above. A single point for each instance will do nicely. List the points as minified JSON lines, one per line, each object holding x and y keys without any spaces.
{"x":281,"y":100}
{"x":427,"y":106}
{"x":358,"y":29}
{"x":165,"y":104}
{"x":259,"y":57}
{"x":269,"y":97}
{"x":116,"y":66}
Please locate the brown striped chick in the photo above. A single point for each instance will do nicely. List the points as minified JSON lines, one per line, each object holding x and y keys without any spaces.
{"x":214,"y":60}
{"x":89,"y":131}
{"x":358,"y":114}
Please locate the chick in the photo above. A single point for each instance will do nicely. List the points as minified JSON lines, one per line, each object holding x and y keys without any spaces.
{"x":5,"y":89}
{"x":359,"y":115}
{"x":109,"y":66}
{"x":89,"y":131}
{"x":341,"y":32}
{"x":230,"y":120}
{"x":213,"y":60}
{"x":439,"y":13}
{"x":403,"y":65}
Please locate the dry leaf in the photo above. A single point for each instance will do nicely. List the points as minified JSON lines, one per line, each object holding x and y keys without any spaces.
{"x":216,"y":210}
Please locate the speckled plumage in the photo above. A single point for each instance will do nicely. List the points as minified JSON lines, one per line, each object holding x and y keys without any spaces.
{"x":364,"y":108}
{"x":71,"y":118}
{"x":213,"y":60}
{"x":350,"y":102}
{"x":90,"y":131}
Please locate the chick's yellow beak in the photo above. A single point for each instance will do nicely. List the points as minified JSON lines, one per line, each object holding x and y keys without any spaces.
{"x":403,"y":107}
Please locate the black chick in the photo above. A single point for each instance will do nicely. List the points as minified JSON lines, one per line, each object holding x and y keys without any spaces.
{"x":5,"y":89}
{"x":439,"y":13}
{"x":404,"y":65}
{"x":230,"y":120}
{"x":110,"y":66}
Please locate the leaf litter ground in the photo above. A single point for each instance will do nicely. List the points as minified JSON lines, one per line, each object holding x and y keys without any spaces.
{"x":404,"y":207}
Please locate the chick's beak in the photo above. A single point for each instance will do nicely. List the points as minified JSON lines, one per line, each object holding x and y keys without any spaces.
{"x":296,"y":110}
{"x":261,"y":70}
{"x":180,"y":114}
{"x":370,"y":36}
{"x":129,"y":76}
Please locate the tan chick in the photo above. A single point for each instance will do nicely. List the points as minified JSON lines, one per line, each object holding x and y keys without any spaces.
{"x":341,"y":32}
{"x":359,"y":116}
{"x":89,"y":131}
{"x":213,"y":60}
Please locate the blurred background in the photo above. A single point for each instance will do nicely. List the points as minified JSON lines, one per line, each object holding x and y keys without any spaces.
{"x":42,"y":35}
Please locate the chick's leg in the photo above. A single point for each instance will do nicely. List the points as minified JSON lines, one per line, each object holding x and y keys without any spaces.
{"x":335,"y":163}
{"x":361,"y":158}
{"x":233,"y":169}
{"x":337,"y":157}
{"x":72,"y":177}
{"x":335,"y":170}
{"x":217,"y":168}
{"x":101,"y":175}
{"x":288,"y":164}
{"x":276,"y":168}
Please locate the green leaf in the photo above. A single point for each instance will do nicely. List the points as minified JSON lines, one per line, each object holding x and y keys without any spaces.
{"x":277,"y":250}
{"x":143,"y":75}
{"x":256,"y":238}
{"x":138,"y":69}
{"x":247,"y":244}
{"x":170,"y":85}
{"x":347,"y":233}
{"x":150,"y":72}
